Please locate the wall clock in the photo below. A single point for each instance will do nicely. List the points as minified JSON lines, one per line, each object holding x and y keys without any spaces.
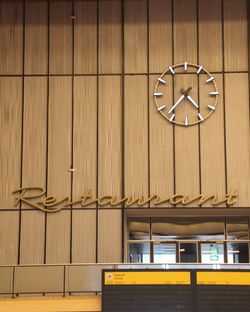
{"x":185,"y":107}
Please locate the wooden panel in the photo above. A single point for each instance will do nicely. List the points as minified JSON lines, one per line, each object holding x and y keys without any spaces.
{"x":210,"y":34}
{"x":161,"y":147}
{"x":58,"y":237}
{"x":59,"y":145}
{"x":60,"y":38}
{"x":186,"y":141}
{"x":34,"y":132}
{"x":185,"y":31}
{"x":50,"y":279}
{"x":84,"y":236}
{"x":235,"y":35}
{"x":237,"y":136}
{"x":136,"y":136}
{"x":59,"y":161}
{"x":32,"y":237}
{"x":36,"y":38}
{"x":110,"y":126}
{"x":85,"y":136}
{"x":11,"y":38}
{"x":6,"y":281}
{"x":9,"y":237}
{"x":110,"y":43}
{"x":10,"y":145}
{"x":109,"y":237}
{"x":85,"y":37}
{"x":160,"y":35}
{"x":212,"y":146}
{"x":135,"y":36}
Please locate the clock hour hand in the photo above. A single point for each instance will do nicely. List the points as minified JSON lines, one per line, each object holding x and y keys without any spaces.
{"x":177,"y":103}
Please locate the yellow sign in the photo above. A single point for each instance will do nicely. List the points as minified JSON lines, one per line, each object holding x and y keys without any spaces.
{"x":34,"y":196}
{"x":223,"y":278}
{"x":147,"y":278}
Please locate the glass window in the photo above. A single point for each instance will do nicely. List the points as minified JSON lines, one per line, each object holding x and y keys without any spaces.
{"x":212,"y":253}
{"x":165,"y":253}
{"x":188,"y":240}
{"x":139,"y":253}
{"x":188,"y":228}
{"x":237,"y":253}
{"x":188,"y":252}
{"x":237,"y":228}
{"x":139,"y":228}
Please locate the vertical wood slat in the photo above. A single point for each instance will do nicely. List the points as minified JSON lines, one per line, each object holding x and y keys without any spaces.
{"x":84,"y":236}
{"x":59,"y":137}
{"x":34,"y":166}
{"x":85,"y":42}
{"x":85,"y":136}
{"x":136,"y":136}
{"x":110,"y":31}
{"x":36,"y":38}
{"x":161,"y":145}
{"x":109,"y":169}
{"x":186,"y":141}
{"x":210,"y":34}
{"x":32,"y":237}
{"x":212,"y":146}
{"x":135,"y":36}
{"x":11,"y":38}
{"x":10,"y":144}
{"x":185,"y":31}
{"x":109,"y":236}
{"x":59,"y":161}
{"x":237,"y":135}
{"x":9,"y":221}
{"x":58,"y":238}
{"x":235,"y":35}
{"x":60,"y":43}
{"x":160,"y":35}
{"x":35,"y":131}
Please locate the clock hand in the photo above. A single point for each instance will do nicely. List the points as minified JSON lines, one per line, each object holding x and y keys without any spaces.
{"x":177,"y":103}
{"x":185,"y":92}
{"x":192,"y":101}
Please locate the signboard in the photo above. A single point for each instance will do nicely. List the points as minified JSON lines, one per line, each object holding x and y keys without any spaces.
{"x":223,"y":278}
{"x":147,"y":278}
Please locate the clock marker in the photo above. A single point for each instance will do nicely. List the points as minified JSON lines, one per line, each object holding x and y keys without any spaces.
{"x":161,"y":108}
{"x":171,"y":69}
{"x":186,"y":121}
{"x":185,"y":66}
{"x":162,"y":80}
{"x":210,"y":79}
{"x":172,"y":117}
{"x":214,"y":93}
{"x":200,"y":117}
{"x":158,"y":94}
{"x":211,"y":107}
{"x":199,"y":70}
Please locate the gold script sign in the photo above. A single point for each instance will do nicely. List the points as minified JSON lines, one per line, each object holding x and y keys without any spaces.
{"x":34,"y":196}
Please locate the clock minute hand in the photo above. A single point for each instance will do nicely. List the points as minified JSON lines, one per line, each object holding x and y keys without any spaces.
{"x":192,"y":101}
{"x":177,"y":103}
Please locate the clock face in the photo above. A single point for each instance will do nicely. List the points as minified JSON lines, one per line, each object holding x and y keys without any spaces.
{"x":186,"y":94}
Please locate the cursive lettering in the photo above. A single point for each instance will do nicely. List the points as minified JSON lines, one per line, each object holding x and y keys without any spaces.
{"x":34,"y":196}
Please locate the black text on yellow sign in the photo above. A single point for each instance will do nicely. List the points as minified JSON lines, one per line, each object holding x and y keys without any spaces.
{"x":147,"y":278}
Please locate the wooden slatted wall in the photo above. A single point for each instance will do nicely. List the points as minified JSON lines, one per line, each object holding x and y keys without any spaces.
{"x":77,"y":93}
